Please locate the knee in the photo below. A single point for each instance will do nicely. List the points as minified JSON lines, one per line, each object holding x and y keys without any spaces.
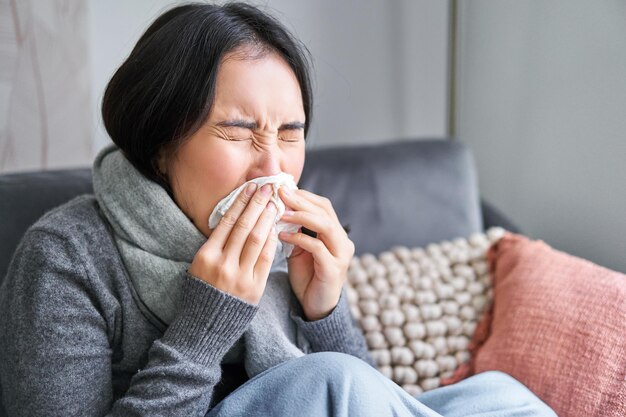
{"x":513,"y":392}
{"x":497,"y":378}
{"x":343,"y":378}
{"x":336,"y":366}
{"x":338,"y":362}
{"x":338,"y":358}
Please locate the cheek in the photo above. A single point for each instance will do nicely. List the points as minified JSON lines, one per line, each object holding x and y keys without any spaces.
{"x":218,"y":172}
{"x":295,"y":163}
{"x":204,"y":176}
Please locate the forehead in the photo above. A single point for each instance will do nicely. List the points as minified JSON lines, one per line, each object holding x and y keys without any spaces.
{"x":257,"y":82}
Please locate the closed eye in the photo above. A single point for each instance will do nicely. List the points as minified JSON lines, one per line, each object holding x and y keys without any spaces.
{"x":291,"y":132}
{"x":237,"y":134}
{"x":239,"y":130}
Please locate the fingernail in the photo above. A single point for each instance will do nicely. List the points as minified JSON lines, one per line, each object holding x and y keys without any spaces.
{"x":266,"y":189}
{"x":289,"y":213}
{"x":288,"y":191}
{"x":272,"y":206}
{"x":250,"y":189}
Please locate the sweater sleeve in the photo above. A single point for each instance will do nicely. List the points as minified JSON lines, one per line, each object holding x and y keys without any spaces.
{"x":55,"y":350}
{"x":337,"y":332}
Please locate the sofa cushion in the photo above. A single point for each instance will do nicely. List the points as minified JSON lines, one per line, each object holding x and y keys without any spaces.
{"x":418,"y":307}
{"x":558,"y":325}
{"x":409,"y":193}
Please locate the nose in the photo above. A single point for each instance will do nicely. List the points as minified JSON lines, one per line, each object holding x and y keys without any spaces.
{"x":267,"y":163}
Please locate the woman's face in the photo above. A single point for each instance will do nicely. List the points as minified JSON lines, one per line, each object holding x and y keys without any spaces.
{"x":255,"y":129}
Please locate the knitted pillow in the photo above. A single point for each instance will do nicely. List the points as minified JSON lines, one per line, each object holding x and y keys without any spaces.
{"x":418,"y":308}
{"x":558,"y":325}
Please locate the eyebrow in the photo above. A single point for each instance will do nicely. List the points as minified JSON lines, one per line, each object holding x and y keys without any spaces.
{"x":254,"y":125}
{"x":292,"y":126}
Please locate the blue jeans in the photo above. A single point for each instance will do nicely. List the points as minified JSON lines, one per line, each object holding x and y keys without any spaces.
{"x":337,"y":384}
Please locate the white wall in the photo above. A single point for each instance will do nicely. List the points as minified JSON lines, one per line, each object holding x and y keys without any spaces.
{"x":380,"y":71}
{"x":380,"y":67}
{"x":115,"y":27}
{"x":542,"y":104}
{"x":44,"y":85}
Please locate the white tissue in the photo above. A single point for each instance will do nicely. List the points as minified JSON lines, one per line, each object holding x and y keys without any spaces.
{"x":279,"y":180}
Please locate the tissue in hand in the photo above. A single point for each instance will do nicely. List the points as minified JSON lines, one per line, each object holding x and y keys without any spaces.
{"x":279,"y":180}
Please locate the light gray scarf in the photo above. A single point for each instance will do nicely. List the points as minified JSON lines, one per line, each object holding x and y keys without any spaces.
{"x":157,"y":243}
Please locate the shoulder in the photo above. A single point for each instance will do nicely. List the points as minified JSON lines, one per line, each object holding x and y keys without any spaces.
{"x":74,"y":219}
{"x":72,"y":239}
{"x":66,"y":261}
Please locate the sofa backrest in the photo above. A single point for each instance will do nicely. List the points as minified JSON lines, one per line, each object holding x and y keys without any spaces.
{"x":24,"y":197}
{"x":402,"y":193}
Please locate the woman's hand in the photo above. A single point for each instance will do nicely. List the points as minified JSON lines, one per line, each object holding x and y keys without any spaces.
{"x":239,"y":253}
{"x":318,"y":267}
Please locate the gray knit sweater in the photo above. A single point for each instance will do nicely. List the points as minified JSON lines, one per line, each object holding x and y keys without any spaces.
{"x":74,"y":342}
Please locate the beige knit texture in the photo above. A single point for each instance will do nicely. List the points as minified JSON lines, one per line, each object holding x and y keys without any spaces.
{"x":418,"y":307}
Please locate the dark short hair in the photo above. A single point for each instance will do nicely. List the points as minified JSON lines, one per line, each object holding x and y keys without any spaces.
{"x":164,"y":91}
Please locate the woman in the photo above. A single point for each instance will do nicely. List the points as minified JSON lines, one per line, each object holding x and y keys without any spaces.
{"x":126,"y":303}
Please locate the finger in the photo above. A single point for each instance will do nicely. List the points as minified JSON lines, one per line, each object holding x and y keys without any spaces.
{"x":266,"y":258}
{"x":296,"y":202}
{"x":247,"y":221}
{"x":310,"y":244}
{"x":258,"y":237}
{"x":320,"y":201}
{"x":328,"y":230}
{"x":219,"y":235}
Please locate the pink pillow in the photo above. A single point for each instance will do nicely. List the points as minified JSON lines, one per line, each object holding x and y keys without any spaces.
{"x":558,"y":325}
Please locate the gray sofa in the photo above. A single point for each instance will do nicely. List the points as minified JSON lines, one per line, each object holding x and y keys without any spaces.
{"x":398,"y":193}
